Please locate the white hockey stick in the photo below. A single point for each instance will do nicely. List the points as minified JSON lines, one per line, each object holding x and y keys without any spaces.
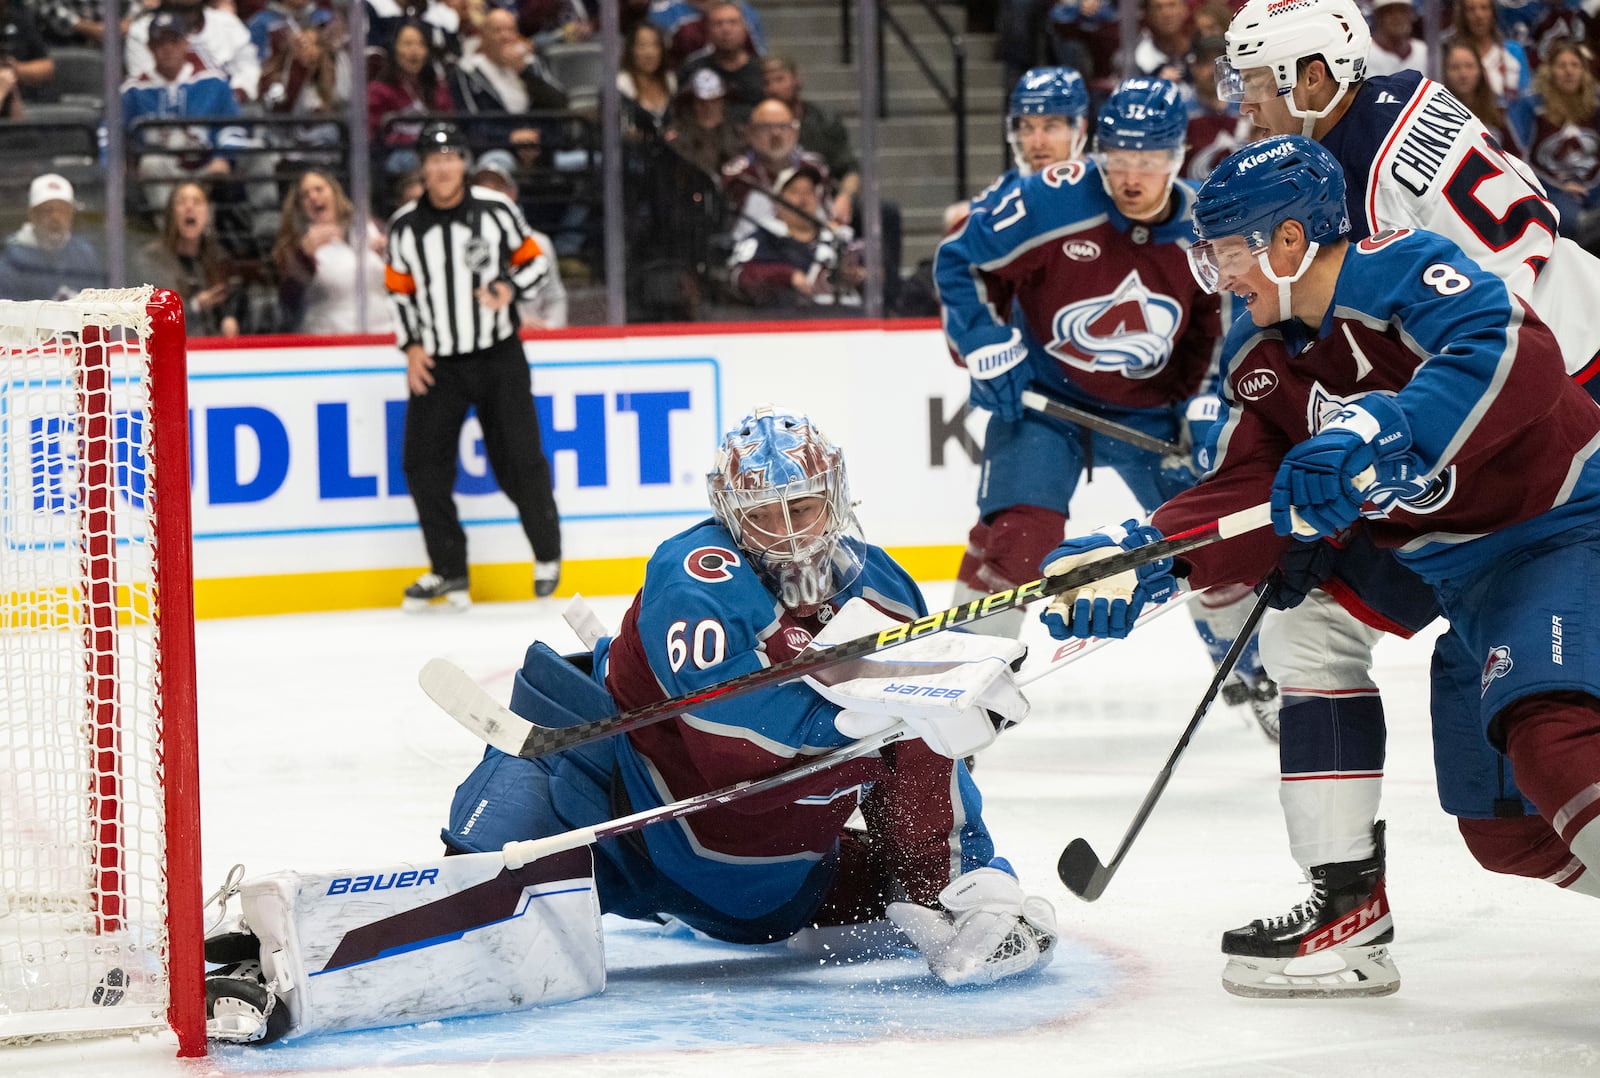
{"x":582,"y":620}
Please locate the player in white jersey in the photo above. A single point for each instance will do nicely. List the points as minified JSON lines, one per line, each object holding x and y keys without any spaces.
{"x":1414,"y":157}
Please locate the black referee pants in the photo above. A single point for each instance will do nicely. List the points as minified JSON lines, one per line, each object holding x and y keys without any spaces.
{"x":496,"y":382}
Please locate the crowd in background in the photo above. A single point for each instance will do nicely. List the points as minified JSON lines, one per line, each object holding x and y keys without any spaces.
{"x":737,"y":187}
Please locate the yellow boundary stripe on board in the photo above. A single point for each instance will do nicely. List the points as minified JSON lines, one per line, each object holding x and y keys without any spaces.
{"x":363,"y":589}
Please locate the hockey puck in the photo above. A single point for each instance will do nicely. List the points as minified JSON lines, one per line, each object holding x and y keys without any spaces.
{"x":109,"y":992}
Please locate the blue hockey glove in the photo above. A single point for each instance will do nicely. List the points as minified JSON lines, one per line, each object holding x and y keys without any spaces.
{"x":1362,"y":452}
{"x":1301,"y":570}
{"x":999,"y":375}
{"x":1197,"y":426}
{"x":1107,"y":607}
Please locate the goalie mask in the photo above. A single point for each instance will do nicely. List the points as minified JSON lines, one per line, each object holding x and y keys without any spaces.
{"x":779,"y":487}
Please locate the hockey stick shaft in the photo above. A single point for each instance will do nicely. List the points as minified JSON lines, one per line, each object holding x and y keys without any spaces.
{"x":518,"y":854}
{"x":1078,"y":867}
{"x":541,"y":740}
{"x":1099,"y":424}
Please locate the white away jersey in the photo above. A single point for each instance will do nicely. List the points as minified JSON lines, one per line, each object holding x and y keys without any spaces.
{"x":1416,"y":157}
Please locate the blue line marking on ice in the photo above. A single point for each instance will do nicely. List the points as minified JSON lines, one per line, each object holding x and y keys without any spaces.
{"x":433,"y":941}
{"x":669,"y":989}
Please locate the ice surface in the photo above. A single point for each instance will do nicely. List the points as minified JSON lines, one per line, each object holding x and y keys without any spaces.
{"x":320,"y":752}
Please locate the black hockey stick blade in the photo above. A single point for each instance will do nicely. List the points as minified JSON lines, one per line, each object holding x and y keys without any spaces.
{"x":544,"y":740}
{"x":1078,"y":866}
{"x":1082,"y":871}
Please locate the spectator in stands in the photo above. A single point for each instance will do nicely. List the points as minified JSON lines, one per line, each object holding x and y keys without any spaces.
{"x":441,"y":24}
{"x":546,"y":308}
{"x":546,"y":22}
{"x":728,"y":53}
{"x":750,"y":180}
{"x":178,"y":88}
{"x":1215,"y":127}
{"x":683,"y":22}
{"x":1085,"y":36}
{"x":408,"y":84}
{"x":318,"y":254}
{"x":25,"y":63}
{"x":274,"y":27}
{"x":505,"y":75}
{"x":1557,"y":129}
{"x":408,"y":186}
{"x":189,"y":259}
{"x":1461,"y":72}
{"x":1164,"y":41}
{"x":43,"y":259}
{"x":822,"y":133}
{"x":78,"y":22}
{"x":703,"y":133}
{"x":217,"y":38}
{"x":794,"y":261}
{"x":307,"y":74}
{"x":1394,"y":47}
{"x":1024,"y":42}
{"x":1505,"y":64}
{"x":645,"y":80}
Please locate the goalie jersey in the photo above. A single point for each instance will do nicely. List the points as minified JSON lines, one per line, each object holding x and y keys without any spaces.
{"x":1107,"y":306}
{"x":1505,"y":439}
{"x":1416,"y":157}
{"x":704,"y":616}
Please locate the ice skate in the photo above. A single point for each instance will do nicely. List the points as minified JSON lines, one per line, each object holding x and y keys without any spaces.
{"x":546,"y":578}
{"x":1260,"y":692}
{"x":1332,"y":944}
{"x":434,"y":592}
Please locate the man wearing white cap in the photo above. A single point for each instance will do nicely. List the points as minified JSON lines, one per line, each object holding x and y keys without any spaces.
{"x":1394,"y":47}
{"x":43,"y":259}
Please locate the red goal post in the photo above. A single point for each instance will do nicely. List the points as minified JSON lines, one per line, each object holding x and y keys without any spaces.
{"x":100,"y":895}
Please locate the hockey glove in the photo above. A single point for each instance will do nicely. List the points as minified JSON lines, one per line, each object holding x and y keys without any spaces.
{"x":999,"y":374}
{"x":988,"y":930}
{"x":1202,"y":424}
{"x":1362,"y":452}
{"x":955,"y":690}
{"x":1302,"y":569}
{"x":1107,"y":607}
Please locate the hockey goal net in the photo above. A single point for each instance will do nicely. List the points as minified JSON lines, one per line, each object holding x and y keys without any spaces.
{"x":100,"y":900}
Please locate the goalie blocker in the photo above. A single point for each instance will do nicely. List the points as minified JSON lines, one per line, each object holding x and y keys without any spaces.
{"x":408,"y":943}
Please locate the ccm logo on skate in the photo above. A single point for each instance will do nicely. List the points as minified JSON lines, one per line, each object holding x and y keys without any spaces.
{"x":924,"y":690}
{"x":355,"y":885}
{"x":1347,"y":927}
{"x":1256,"y":384}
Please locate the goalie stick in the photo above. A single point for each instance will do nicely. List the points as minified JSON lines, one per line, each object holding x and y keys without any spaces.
{"x":518,"y":854}
{"x":470,"y":704}
{"x":1100,"y":425}
{"x":543,"y":740}
{"x":1078,"y":867}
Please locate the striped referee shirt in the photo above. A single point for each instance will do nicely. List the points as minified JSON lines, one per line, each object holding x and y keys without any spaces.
{"x":439,"y":258}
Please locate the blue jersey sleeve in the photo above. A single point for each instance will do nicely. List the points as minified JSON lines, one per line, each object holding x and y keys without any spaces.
{"x":1460,"y":320}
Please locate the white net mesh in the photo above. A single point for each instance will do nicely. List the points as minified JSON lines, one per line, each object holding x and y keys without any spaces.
{"x":83,"y":943}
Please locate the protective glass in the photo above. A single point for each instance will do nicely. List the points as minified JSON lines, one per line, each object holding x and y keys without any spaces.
{"x":1214,"y":261}
{"x":1251,"y":86}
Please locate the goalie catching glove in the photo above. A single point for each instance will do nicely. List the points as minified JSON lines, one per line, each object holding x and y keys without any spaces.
{"x":988,"y":929}
{"x":1106,"y":607}
{"x":954,"y":690}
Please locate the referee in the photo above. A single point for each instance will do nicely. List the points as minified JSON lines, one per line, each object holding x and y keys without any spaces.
{"x":459,"y":257}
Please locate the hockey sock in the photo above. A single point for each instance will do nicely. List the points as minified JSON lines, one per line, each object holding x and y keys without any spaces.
{"x":1553,"y":740}
{"x":1527,"y":846}
{"x":1330,"y":751}
{"x":1014,"y":542}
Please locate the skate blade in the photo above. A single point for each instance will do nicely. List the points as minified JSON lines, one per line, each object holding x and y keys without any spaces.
{"x":1365,"y":972}
{"x":453,"y":603}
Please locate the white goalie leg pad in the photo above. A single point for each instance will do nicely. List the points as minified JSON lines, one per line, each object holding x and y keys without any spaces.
{"x":421,"y":941}
{"x":1329,"y":974}
{"x":991,"y":930}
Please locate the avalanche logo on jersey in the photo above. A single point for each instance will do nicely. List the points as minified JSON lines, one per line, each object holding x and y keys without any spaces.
{"x":1321,"y":406}
{"x":1129,"y":331}
{"x":1498,"y":664}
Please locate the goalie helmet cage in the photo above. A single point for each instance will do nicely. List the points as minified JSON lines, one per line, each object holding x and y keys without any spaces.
{"x":100,"y":899}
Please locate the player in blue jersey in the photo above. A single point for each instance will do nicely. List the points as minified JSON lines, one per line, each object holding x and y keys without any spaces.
{"x":780,"y":559}
{"x":1414,"y":157}
{"x":1393,"y":387}
{"x":1073,"y":282}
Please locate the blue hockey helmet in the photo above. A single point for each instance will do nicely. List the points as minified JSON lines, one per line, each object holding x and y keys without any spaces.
{"x":1047,"y":91}
{"x":1142,"y":113}
{"x":1258,"y":187}
{"x":779,"y":487}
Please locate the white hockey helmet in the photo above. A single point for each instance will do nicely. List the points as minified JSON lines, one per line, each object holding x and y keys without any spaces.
{"x":1278,"y":34}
